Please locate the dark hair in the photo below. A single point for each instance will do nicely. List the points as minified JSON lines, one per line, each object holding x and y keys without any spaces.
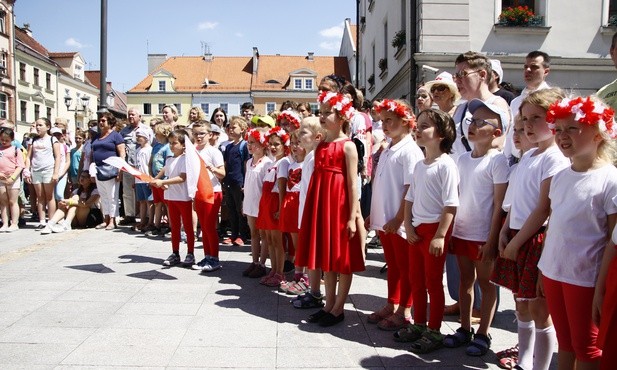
{"x":289,"y":104}
{"x":445,"y":128}
{"x":546,"y":62}
{"x":111,"y":119}
{"x":180,"y":134}
{"x":7,"y":131}
{"x":476,"y":60}
{"x":335,"y":82}
{"x":367,"y":105}
{"x":247,"y":105}
{"x":90,"y":188}
{"x":349,"y":89}
{"x":219,"y":109}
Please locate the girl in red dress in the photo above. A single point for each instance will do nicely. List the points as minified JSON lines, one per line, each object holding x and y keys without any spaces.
{"x":328,"y":238}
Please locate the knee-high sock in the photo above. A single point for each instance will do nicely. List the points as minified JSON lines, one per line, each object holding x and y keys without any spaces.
{"x":526,"y":343}
{"x":546,"y":340}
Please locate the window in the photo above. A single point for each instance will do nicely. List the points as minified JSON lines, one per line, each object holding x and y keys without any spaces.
{"x":538,"y":7}
{"x":314,"y":108}
{"x":48,"y":112}
{"x":161,"y":105}
{"x":36,"y":77}
{"x":386,"y":44}
{"x":3,"y":105}
{"x":609,"y":13}
{"x":297,"y":84}
{"x":270,"y":107}
{"x":529,"y":3}
{"x":147,"y":108}
{"x":374,"y":56}
{"x":224,"y":107}
{"x":22,"y":71}
{"x":3,"y":64}
{"x":2,"y":21}
{"x":23,"y":110}
{"x":404,"y":15}
{"x":206,"y":108}
{"x":162,"y":86}
{"x":179,"y":108}
{"x":308,"y":83}
{"x":48,"y":82}
{"x":37,"y":111}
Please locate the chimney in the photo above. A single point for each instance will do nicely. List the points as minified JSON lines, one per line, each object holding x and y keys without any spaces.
{"x":27,"y":30}
{"x":311,"y":56}
{"x":155,"y":60}
{"x":255,"y":59}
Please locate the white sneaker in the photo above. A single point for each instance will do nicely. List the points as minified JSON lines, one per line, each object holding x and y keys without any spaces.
{"x":59,"y":228}
{"x":46,"y":230}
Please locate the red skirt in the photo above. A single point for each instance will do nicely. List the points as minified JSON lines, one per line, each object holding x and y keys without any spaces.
{"x":268,"y":206}
{"x":288,"y":221}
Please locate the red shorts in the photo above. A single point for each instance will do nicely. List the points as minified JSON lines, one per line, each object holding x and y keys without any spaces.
{"x":467,"y":248}
{"x":157,"y":194}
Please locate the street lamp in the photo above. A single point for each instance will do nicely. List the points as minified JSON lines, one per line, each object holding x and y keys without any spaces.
{"x":81,"y":106}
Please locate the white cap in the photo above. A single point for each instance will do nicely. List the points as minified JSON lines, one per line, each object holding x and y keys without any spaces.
{"x":476,"y":104}
{"x":496,"y":65}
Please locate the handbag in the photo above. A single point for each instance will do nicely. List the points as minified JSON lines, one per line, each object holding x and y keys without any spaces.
{"x":106,"y":172}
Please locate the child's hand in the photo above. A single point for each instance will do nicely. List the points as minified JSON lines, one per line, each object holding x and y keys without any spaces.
{"x":511,"y":251}
{"x":412,"y":237}
{"x":351,"y":228}
{"x":158,"y":183}
{"x":487,"y":252}
{"x":503,"y":241}
{"x":392,"y":226}
{"x":596,"y":308}
{"x":436,"y":247}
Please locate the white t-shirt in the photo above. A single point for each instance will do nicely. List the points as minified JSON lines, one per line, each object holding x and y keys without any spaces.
{"x":478,"y":177}
{"x":576,"y":235}
{"x":271,"y":174}
{"x":43,"y":153}
{"x":507,"y":199}
{"x":213,"y":158}
{"x":142,"y":160}
{"x":174,"y":167}
{"x":253,"y":183}
{"x":307,"y":171}
{"x":294,"y":176}
{"x":433,"y":187}
{"x":394,"y":170}
{"x":532,"y":170}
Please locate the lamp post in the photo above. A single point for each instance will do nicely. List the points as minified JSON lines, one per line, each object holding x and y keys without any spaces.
{"x":80,"y":106}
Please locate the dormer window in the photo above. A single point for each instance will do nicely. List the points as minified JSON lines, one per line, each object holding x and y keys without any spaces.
{"x":303,"y":83}
{"x":162,"y":86}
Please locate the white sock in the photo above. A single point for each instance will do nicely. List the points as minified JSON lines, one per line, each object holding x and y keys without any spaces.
{"x":546,"y":339}
{"x":526,"y":344}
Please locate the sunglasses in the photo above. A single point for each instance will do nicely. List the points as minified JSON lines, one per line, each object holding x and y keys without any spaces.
{"x":479,"y":123}
{"x":440,"y":88}
{"x":463,"y":74}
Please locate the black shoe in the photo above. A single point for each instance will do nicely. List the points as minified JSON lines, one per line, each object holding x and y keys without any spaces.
{"x":317,"y":316}
{"x":288,"y":266}
{"x":128,"y":220}
{"x":329,"y":319}
{"x":172,"y":260}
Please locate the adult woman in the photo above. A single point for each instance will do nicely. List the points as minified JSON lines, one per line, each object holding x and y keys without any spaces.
{"x":195,"y":115}
{"x":219,"y":118}
{"x":170,"y":115}
{"x":444,"y":92}
{"x":109,"y":143}
{"x":42,"y":168}
{"x":424,"y":99}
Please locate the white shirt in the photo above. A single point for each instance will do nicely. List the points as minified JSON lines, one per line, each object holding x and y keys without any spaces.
{"x":576,"y":235}
{"x":307,"y":171}
{"x":532,"y":170}
{"x":253,"y":184}
{"x":294,"y":177}
{"x":142,"y":160}
{"x":174,"y":167}
{"x":271,"y":174}
{"x":43,"y":153}
{"x":478,"y":177}
{"x":213,"y":158}
{"x":394,"y":170}
{"x":507,"y":199}
{"x":433,"y":187}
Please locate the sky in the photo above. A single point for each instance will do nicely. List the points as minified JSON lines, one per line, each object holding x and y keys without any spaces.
{"x":183,"y":27}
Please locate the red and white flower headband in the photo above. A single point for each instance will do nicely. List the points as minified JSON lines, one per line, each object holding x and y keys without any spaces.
{"x":278,"y":131}
{"x":290,"y":116}
{"x":585,"y":111}
{"x":399,"y":109}
{"x":339,"y":102}
{"x":258,"y":135}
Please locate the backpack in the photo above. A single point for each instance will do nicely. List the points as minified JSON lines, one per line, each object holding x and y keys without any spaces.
{"x":361,"y":151}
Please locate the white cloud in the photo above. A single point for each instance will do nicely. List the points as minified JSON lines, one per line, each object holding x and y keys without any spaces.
{"x":239,"y":34}
{"x":332,"y":32}
{"x":207,"y":25}
{"x":330,"y":45}
{"x":74,"y":43}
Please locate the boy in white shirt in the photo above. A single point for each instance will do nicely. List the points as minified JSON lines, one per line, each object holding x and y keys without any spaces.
{"x":143,"y":192}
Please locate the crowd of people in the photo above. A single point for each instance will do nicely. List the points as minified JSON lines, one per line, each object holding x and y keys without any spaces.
{"x":518,"y":192}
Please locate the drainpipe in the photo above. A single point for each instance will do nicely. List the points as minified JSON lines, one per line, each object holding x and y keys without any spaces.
{"x":413,"y":34}
{"x":358,"y":43}
{"x":103,"y":80}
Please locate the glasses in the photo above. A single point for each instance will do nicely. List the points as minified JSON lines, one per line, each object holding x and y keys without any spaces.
{"x":463,"y":74}
{"x":440,"y":88}
{"x":199,"y":133}
{"x":479,"y":123}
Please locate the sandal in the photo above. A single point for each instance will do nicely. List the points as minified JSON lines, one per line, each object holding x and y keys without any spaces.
{"x":411,"y":333}
{"x":508,"y":362}
{"x":430,"y":341}
{"x":460,"y":337}
{"x":479,"y":345}
{"x":393,"y":322}
{"x":308,"y":300}
{"x":508,"y":352}
{"x":382,"y":314}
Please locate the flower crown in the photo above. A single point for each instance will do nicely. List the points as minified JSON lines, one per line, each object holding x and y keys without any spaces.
{"x":339,"y":102}
{"x":258,"y":135}
{"x":399,"y":109}
{"x":290,"y":116}
{"x":278,"y":131}
{"x":585,"y":111}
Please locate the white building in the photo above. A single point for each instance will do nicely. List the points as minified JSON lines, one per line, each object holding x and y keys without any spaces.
{"x":575,"y":34}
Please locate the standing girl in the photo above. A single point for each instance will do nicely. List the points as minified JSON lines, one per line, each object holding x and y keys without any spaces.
{"x":390,"y":184}
{"x":328,"y":239}
{"x":582,"y":217}
{"x":11,"y":165}
{"x":522,"y":234}
{"x":42,"y":168}
{"x":178,"y":201}
{"x":256,"y":169}
{"x":270,"y":205}
{"x":429,"y":212}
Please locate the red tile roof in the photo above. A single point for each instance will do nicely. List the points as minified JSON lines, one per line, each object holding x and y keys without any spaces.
{"x":29,"y":41}
{"x":94,"y":77}
{"x":278,"y":68}
{"x":66,"y":54}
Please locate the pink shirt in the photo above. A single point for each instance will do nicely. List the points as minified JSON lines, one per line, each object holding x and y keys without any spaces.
{"x":10,"y":159}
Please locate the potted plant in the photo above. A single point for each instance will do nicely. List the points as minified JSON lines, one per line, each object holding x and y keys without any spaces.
{"x":519,"y":16}
{"x":383,"y":64}
{"x":371,"y":80}
{"x":399,"y":39}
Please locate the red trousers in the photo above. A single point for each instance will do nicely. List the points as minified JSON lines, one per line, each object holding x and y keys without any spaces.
{"x":181,"y":213}
{"x":207,"y":215}
{"x":396,"y":252}
{"x":426,"y":275}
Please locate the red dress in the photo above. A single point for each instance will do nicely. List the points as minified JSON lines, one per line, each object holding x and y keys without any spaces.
{"x":607,"y":334}
{"x":323,"y":240}
{"x":288,"y":222}
{"x":269,"y":201}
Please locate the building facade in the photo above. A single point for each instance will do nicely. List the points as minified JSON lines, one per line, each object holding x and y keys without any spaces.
{"x":398,"y":38}
{"x":7,"y":61}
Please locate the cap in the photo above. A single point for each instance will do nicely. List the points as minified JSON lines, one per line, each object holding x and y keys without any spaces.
{"x":215,"y":129}
{"x":445,"y":78}
{"x":94,"y":129}
{"x":476,"y":104}
{"x":55,"y":130}
{"x":496,"y":65}
{"x":261,"y":120}
{"x":142,"y":132}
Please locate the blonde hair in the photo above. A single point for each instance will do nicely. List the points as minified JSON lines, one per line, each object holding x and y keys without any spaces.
{"x":543,"y":98}
{"x":312,"y":124}
{"x":162,"y":129}
{"x":174,"y":110}
{"x":240,"y":121}
{"x":200,"y":113}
